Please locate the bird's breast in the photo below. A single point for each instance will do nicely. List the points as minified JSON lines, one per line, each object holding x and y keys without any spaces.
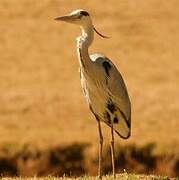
{"x":95,"y":92}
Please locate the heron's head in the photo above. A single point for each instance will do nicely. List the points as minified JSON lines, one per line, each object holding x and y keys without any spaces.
{"x":79,"y":17}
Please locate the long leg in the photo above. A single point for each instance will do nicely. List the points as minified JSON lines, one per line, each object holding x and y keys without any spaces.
{"x":112,"y":150}
{"x":100,"y":150}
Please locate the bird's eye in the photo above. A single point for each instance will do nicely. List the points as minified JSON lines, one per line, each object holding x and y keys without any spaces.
{"x":84,"y":13}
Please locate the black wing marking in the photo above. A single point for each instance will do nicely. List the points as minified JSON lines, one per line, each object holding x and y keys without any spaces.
{"x":113,"y":108}
{"x":107,"y":67}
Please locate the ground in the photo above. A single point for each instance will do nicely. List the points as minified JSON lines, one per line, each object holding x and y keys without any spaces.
{"x":122,"y":176}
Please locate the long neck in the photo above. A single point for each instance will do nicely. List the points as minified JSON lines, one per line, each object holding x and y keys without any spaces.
{"x":83,"y":43}
{"x":87,"y":35}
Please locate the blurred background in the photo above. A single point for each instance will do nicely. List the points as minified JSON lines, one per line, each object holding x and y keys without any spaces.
{"x":45,"y":124}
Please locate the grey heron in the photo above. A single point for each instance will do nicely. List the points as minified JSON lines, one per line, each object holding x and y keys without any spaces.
{"x":103,"y":85}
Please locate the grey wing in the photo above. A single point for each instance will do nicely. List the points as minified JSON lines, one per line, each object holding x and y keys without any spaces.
{"x":119,"y":97}
{"x":118,"y":106}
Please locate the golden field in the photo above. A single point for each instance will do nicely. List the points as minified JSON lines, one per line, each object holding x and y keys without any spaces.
{"x":41,"y":101}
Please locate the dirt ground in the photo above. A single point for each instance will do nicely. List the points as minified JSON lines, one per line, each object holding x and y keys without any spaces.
{"x":41,"y":101}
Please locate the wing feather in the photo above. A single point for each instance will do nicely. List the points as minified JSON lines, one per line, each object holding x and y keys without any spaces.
{"x":118,"y":96}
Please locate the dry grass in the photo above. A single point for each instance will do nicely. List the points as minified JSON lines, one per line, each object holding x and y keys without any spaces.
{"x":41,"y":101}
{"x":122,"y":176}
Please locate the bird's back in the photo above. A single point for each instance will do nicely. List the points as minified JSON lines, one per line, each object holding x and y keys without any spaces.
{"x":106,"y":94}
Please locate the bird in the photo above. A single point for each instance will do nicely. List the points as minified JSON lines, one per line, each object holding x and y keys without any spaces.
{"x":103,"y":85}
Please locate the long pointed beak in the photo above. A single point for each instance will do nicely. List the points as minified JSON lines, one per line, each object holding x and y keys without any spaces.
{"x":66,"y":18}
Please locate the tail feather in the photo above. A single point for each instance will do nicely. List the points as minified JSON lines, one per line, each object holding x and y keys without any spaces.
{"x":122,"y":127}
{"x":123,"y":131}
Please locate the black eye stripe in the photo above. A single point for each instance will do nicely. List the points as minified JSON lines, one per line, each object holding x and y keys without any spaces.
{"x":84,"y":13}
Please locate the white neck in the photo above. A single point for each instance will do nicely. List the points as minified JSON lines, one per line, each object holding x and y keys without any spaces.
{"x":83,"y":43}
{"x":87,"y":35}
